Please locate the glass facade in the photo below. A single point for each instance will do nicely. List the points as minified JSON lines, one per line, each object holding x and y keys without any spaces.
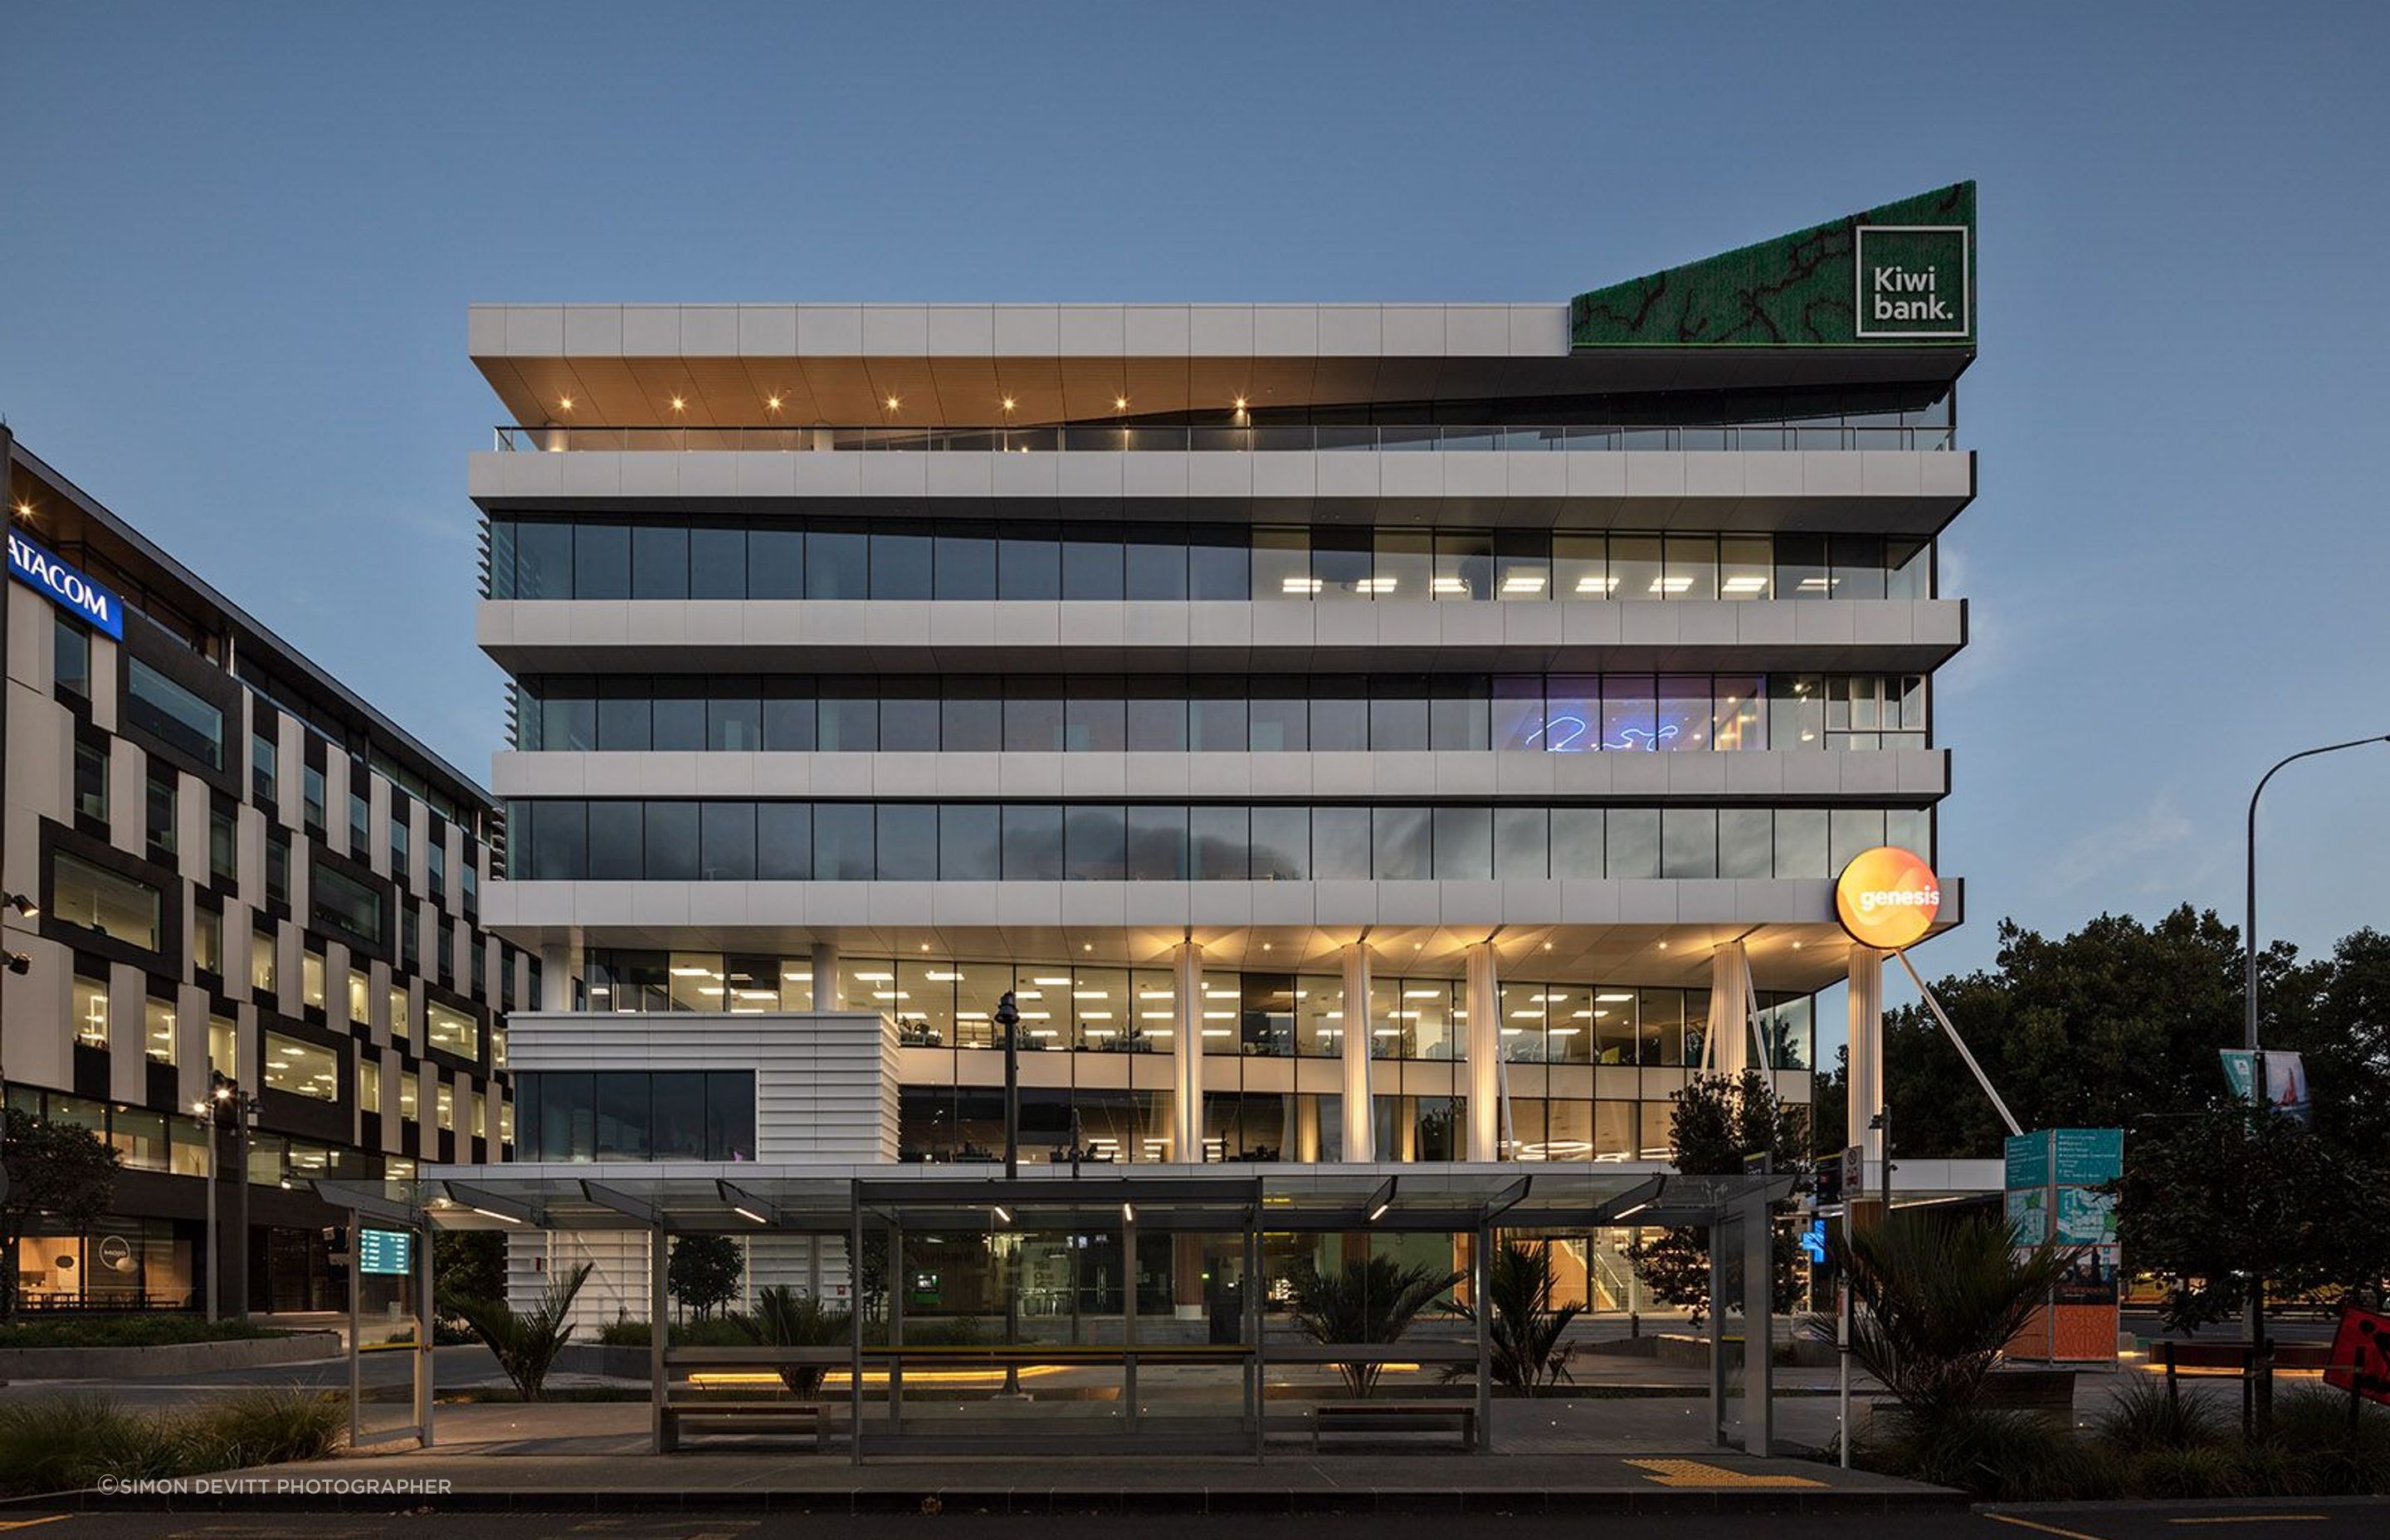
{"x":569,"y":840}
{"x":667,"y":557}
{"x":636,"y":1115}
{"x":1054,"y":714}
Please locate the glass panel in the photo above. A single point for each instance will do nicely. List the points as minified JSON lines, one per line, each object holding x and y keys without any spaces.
{"x":173,"y":715}
{"x":968,"y":843}
{"x":1746,"y":567}
{"x":451,"y":1030}
{"x":1581,"y":566}
{"x":302,"y":1069}
{"x":1690,"y":568}
{"x":100,"y":900}
{"x":1635,"y":571}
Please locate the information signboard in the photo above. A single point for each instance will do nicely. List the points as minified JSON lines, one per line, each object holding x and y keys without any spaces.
{"x":386,"y":1253}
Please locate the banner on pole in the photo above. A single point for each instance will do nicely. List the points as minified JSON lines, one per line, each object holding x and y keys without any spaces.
{"x":2360,"y":1356}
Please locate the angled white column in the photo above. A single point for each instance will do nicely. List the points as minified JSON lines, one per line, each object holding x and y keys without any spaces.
{"x":1729,"y":1050}
{"x":1360,"y":1127}
{"x":1186,"y":1055}
{"x":829,"y":984}
{"x":1484,"y":1040}
{"x":1865,"y":1080}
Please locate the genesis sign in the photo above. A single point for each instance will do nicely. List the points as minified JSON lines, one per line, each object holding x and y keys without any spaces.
{"x":1887,"y":898}
{"x":67,"y":587}
{"x":1912,"y":280}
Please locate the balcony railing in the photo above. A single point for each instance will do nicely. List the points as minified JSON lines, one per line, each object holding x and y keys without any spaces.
{"x":1096,"y":437}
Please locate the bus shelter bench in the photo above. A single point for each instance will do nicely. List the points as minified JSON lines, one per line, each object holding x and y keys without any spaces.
{"x":697,"y":1415}
{"x":1395,"y":1416}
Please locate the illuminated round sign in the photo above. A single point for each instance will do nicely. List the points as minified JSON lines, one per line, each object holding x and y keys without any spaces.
{"x":1887,"y":898}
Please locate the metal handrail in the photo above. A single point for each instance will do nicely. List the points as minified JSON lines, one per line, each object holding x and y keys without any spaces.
{"x":1297,"y":438}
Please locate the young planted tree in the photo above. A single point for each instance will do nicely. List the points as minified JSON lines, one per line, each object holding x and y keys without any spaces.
{"x":55,"y":1171}
{"x":525,"y":1344}
{"x":704,"y":1273}
{"x":1370,"y":1303}
{"x":1526,"y":1327}
{"x":1720,"y":1121}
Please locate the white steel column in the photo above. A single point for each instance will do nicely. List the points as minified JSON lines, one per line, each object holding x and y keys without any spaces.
{"x":1865,"y":1081}
{"x":1485,"y":1040}
{"x":555,"y":975}
{"x":1361,"y":1126}
{"x":1186,"y":1055}
{"x":830,"y":987}
{"x":1727,"y":1051}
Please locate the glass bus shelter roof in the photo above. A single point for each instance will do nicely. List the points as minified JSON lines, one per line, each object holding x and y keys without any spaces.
{"x":742,"y":1198}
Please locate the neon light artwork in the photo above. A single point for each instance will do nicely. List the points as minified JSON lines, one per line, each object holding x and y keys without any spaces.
{"x":1567,"y":735}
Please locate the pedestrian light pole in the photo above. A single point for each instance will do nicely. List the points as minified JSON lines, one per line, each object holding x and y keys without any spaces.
{"x":1008,"y":1015}
{"x":2262,"y":1361}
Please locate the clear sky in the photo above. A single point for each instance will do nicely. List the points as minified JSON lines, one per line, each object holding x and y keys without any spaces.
{"x":237,"y":243}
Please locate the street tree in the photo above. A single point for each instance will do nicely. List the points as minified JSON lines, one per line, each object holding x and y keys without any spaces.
{"x":705,"y":1272}
{"x":55,"y":1171}
{"x":1718,"y":1124}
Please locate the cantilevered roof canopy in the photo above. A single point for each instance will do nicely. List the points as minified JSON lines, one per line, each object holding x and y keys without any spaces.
{"x":827,"y":1199}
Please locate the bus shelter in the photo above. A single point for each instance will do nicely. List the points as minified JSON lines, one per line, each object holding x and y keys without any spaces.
{"x":1102,"y":1311}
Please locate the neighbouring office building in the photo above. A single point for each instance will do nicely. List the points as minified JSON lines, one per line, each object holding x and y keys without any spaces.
{"x":1353,"y":733}
{"x":229,"y":863}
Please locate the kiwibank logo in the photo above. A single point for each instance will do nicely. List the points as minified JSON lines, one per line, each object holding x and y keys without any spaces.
{"x":39,"y":569}
{"x":1912,"y":281}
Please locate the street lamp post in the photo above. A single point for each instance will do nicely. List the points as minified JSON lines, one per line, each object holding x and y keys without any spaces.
{"x":1008,"y":1015}
{"x":203,"y":1115}
{"x":2260,"y":1361}
{"x":225,"y":1095}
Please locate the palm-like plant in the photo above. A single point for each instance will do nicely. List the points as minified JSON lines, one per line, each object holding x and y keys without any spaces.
{"x":1524,"y":1331}
{"x":525,"y":1344}
{"x":1365,"y":1302}
{"x":785,"y":1318}
{"x":1942,"y":1299}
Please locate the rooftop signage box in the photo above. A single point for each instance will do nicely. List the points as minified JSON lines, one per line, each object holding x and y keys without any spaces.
{"x":1901,"y":274}
{"x":67,"y":587}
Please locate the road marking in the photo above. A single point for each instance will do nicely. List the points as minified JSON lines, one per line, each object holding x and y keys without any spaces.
{"x":29,"y":1524}
{"x":1695,"y":1473}
{"x":2253,"y":1518}
{"x":2046,"y":1529}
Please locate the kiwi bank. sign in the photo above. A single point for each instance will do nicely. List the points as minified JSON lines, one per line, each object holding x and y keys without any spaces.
{"x":1912,"y":280}
{"x":67,"y":587}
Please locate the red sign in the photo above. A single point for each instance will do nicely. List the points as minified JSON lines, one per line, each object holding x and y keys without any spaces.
{"x":2360,"y":1356}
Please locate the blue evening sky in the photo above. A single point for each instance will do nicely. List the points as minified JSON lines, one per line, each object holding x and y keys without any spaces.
{"x":237,"y":243}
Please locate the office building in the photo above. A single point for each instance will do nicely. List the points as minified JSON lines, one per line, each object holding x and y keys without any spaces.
{"x":225,"y":863}
{"x":1354,"y":732}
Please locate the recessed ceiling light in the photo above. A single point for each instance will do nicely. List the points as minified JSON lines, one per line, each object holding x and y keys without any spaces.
{"x":564,"y":404}
{"x":893,"y":403}
{"x":1241,"y":403}
{"x":1008,"y":403}
{"x":1120,"y":404}
{"x":679,"y":405}
{"x":772,"y":402}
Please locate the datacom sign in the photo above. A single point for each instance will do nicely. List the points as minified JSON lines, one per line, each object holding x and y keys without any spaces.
{"x":67,"y":587}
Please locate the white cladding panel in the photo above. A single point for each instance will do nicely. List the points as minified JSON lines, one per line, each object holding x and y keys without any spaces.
{"x":825,"y":1081}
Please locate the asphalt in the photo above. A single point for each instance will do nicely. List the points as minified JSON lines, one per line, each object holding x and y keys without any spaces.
{"x":2267,"y":1520}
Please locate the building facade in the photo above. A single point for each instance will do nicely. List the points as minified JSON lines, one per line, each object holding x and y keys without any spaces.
{"x":1349,"y":732}
{"x":229,"y":865}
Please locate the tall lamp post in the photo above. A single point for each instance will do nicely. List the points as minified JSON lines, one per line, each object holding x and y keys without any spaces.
{"x":2260,"y":1360}
{"x":224,"y":1100}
